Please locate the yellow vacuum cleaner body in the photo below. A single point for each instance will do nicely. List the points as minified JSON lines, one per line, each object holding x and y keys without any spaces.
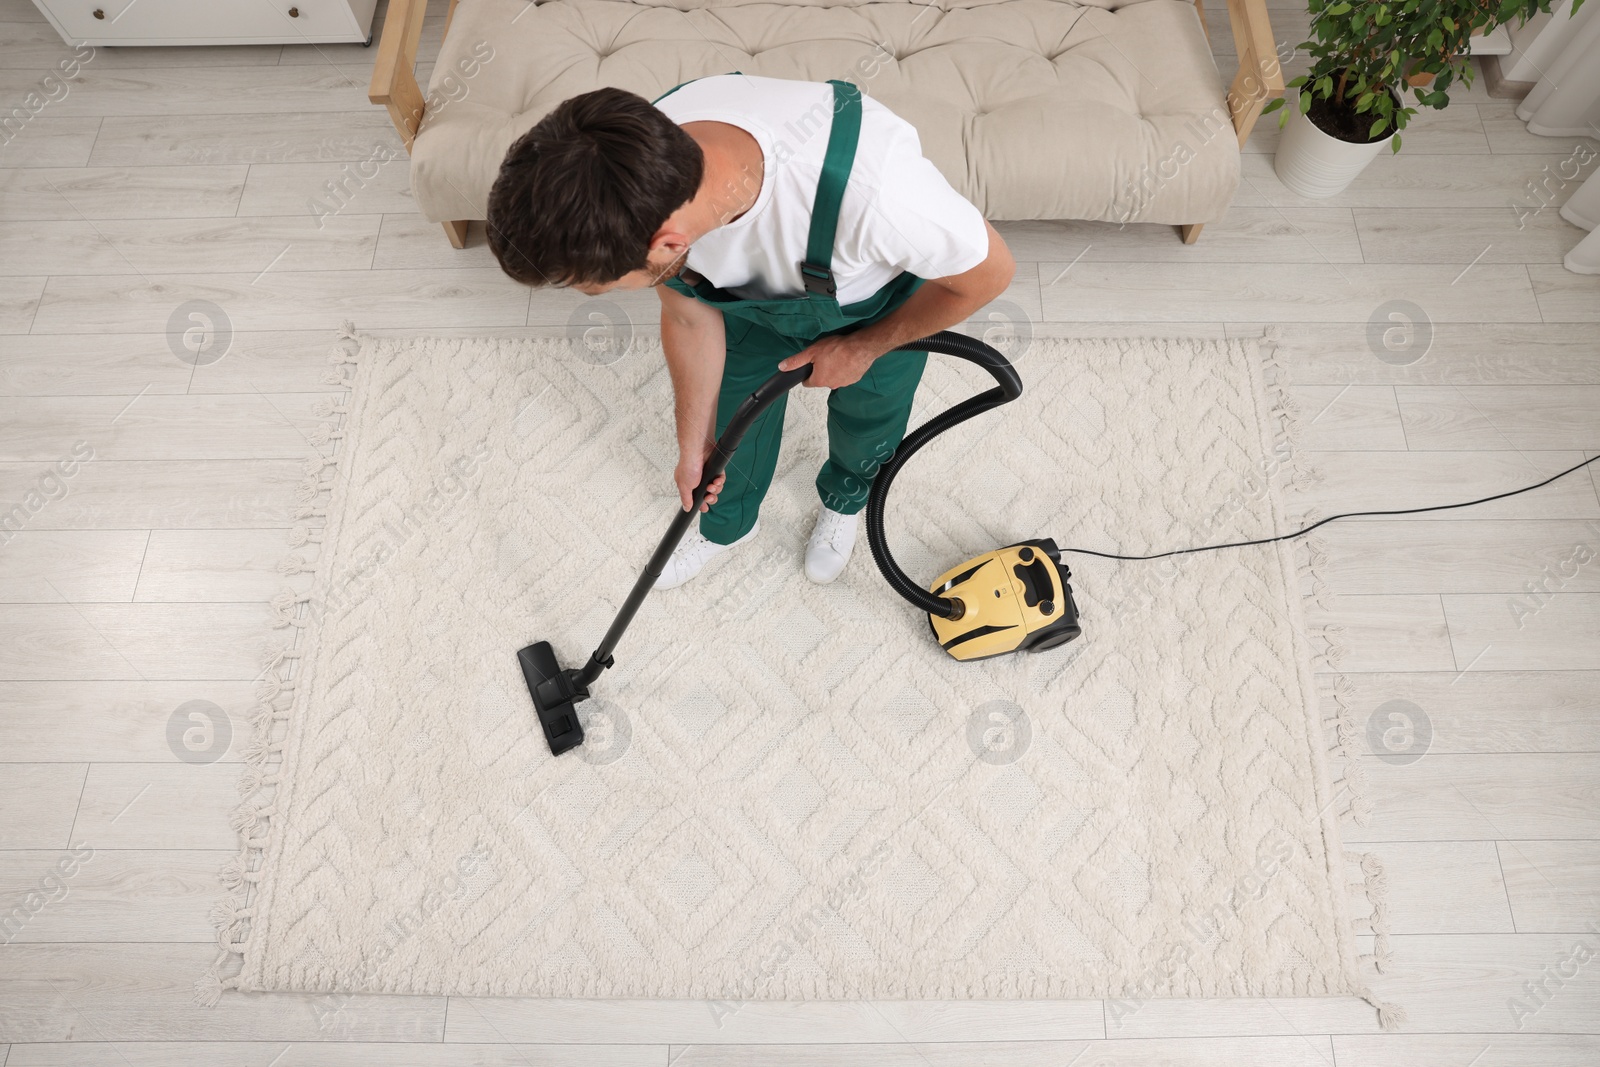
{"x":1014,"y":599}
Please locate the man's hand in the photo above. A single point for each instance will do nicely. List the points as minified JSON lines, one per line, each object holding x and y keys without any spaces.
{"x":836,"y":361}
{"x":690,"y":470}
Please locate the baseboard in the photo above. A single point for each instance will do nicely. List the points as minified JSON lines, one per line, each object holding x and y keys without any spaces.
{"x":1496,"y":84}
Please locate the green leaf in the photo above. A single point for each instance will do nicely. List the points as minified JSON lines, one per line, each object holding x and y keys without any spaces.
{"x":1339,"y":8}
{"x":1378,"y":127}
{"x":1394,"y":146}
{"x":1272,"y":105}
{"x":1305,"y":103}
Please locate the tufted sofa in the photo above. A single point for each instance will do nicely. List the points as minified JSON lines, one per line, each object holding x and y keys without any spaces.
{"x":1033,"y":109}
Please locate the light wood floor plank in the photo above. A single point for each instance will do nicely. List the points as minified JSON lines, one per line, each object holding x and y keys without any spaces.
{"x":369,"y":182}
{"x":285,"y":301}
{"x":50,"y":566}
{"x":159,"y":427}
{"x":1514,"y":417}
{"x":19,"y":11}
{"x":197,"y":566}
{"x":1285,"y":292}
{"x":145,"y":641}
{"x":1453,"y":1050}
{"x":117,"y":894}
{"x":1483,"y":797}
{"x":51,"y":140}
{"x":1388,"y":633}
{"x":145,"y":992}
{"x":1462,"y":235}
{"x":279,"y":361}
{"x":799,"y":1022}
{"x":221,"y":494}
{"x":37,"y":46}
{"x":1444,"y":888}
{"x":1559,"y":631}
{"x":1376,"y":481}
{"x":1335,"y":353}
{"x":1508,"y":134}
{"x":1487,"y":711}
{"x":77,"y":365}
{"x":39,"y":801}
{"x":354,"y":60}
{"x":1449,"y":556}
{"x":1240,"y":1051}
{"x":409,"y":241}
{"x":120,"y":192}
{"x":274,"y":137}
{"x":1564,"y":296}
{"x":19,"y":304}
{"x":168,"y":805}
{"x":1462,"y":983}
{"x":1221,"y":1018}
{"x":1334,"y":416}
{"x":1101,"y":329}
{"x":1554,"y":886}
{"x":1415,"y":179}
{"x":115,"y":722}
{"x":332,"y":1054}
{"x":1244,"y":235}
{"x":341,"y":242}
{"x":174,"y":89}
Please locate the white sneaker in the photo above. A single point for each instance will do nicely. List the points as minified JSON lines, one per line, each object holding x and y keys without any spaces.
{"x":692,"y":554}
{"x":829,"y":548}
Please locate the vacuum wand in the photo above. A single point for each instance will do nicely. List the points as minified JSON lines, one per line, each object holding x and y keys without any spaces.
{"x":556,"y":692}
{"x":743,"y":418}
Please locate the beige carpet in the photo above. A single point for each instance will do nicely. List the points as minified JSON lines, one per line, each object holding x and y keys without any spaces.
{"x":789,"y":791}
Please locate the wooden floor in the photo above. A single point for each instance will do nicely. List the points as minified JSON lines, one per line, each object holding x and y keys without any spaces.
{"x":168,"y":176}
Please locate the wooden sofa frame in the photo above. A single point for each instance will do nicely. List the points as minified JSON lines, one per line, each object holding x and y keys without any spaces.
{"x":394,"y":80}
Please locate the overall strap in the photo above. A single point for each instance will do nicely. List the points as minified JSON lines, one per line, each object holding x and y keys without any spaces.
{"x":680,"y":85}
{"x":817,"y":268}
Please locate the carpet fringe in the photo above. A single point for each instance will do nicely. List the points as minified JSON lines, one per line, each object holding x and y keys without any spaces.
{"x":233,"y":916}
{"x":1311,"y":563}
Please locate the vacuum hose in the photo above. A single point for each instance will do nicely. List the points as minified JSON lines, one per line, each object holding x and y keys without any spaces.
{"x":1008,"y":388}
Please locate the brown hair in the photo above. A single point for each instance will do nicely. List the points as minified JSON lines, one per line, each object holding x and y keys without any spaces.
{"x":579,"y":196}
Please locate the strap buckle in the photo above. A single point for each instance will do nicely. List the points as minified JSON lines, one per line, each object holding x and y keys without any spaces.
{"x":818,"y":280}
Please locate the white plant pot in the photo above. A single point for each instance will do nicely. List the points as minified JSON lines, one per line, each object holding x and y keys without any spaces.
{"x":1310,"y":163}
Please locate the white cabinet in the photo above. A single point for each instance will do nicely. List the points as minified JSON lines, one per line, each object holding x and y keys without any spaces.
{"x":178,"y":22}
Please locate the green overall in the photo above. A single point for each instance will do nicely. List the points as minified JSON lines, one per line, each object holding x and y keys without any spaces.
{"x":866,"y":420}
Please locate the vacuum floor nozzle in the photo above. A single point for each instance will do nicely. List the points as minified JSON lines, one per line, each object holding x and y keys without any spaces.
{"x":555,"y":696}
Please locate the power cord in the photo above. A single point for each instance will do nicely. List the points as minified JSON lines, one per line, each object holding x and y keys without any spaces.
{"x":1330,"y":518}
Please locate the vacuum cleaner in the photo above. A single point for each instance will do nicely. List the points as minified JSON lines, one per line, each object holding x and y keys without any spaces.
{"x":1012,"y":599}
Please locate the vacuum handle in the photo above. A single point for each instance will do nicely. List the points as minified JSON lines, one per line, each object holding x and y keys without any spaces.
{"x":1008,"y":386}
{"x":744,"y":416}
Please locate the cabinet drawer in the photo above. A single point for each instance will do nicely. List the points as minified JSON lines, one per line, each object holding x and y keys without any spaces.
{"x":205,"y":21}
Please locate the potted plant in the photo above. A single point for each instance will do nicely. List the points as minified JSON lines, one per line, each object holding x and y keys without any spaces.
{"x":1365,"y":55}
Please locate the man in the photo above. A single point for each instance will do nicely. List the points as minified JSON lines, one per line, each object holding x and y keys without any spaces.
{"x":782,"y":223}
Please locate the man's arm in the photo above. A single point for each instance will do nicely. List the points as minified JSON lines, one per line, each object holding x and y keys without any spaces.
{"x":936,"y":305}
{"x":692,"y":337}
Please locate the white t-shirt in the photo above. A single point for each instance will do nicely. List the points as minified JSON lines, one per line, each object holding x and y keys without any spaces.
{"x":898,"y":213}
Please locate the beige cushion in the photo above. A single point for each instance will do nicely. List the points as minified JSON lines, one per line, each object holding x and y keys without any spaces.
{"x":1032,"y":109}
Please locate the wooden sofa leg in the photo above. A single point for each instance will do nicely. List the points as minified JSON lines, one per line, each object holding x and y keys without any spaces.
{"x":1191,"y":234}
{"x":457,"y":232}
